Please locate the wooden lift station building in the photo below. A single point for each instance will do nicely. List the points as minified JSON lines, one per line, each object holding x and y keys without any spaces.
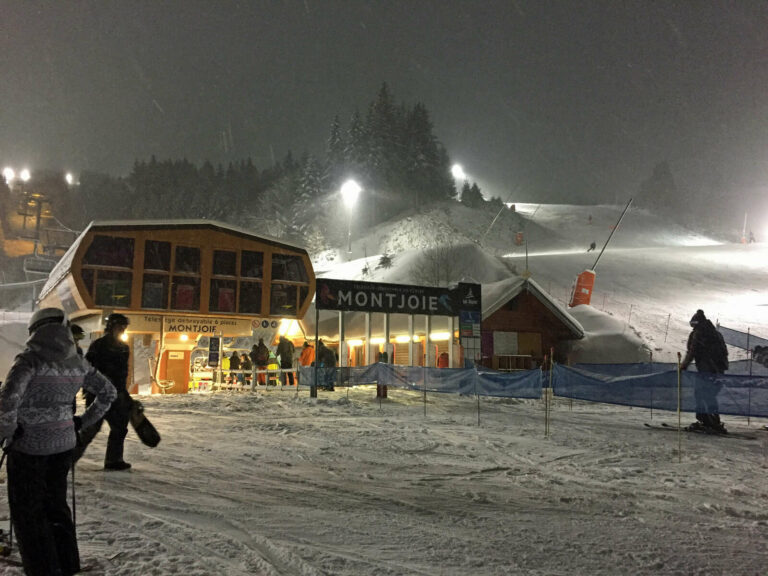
{"x":180,"y":282}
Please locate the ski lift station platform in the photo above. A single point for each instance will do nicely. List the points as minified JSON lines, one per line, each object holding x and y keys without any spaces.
{"x":180,"y":283}
{"x":186,"y":285}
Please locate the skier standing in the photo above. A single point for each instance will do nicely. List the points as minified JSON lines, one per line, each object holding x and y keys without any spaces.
{"x":285,"y":350}
{"x":110,"y":357}
{"x":705,"y":347}
{"x":39,"y":431}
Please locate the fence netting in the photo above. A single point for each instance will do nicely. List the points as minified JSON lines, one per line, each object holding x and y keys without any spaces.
{"x":520,"y":384}
{"x":649,"y":385}
{"x":638,"y":385}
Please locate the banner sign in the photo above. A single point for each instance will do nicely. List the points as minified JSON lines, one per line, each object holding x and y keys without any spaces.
{"x":354,"y":295}
{"x":189,"y":324}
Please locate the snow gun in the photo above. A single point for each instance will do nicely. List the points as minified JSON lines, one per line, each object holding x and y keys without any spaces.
{"x":581,"y":293}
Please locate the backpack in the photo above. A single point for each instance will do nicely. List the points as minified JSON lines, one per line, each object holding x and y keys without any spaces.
{"x":719,"y":352}
{"x":262,"y":355}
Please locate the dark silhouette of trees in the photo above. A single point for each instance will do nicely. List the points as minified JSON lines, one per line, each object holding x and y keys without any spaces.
{"x":393,"y":153}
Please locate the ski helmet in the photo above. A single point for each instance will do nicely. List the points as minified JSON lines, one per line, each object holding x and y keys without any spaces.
{"x":116,"y":319}
{"x":47,"y":316}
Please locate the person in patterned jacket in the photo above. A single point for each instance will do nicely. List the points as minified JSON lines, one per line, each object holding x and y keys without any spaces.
{"x":38,"y":431}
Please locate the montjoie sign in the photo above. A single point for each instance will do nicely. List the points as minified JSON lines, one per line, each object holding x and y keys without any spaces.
{"x":352,"y":295}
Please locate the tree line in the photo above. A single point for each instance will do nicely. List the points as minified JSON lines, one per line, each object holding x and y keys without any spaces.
{"x":391,"y":151}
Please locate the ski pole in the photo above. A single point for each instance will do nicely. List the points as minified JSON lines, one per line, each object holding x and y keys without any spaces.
{"x":74,"y":500}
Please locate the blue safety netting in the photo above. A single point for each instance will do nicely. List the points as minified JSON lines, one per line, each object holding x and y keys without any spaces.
{"x":521,"y":384}
{"x":740,"y":367}
{"x":735,"y":394}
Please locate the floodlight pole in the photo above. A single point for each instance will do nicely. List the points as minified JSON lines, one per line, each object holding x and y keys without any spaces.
{"x":594,"y":266}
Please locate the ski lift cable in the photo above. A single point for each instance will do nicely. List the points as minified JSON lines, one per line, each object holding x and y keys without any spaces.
{"x":22,"y":284}
{"x":496,"y":217}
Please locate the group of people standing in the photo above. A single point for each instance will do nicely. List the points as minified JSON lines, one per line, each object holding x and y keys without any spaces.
{"x":42,"y":437}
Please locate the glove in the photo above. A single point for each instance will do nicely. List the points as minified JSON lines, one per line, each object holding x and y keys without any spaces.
{"x":78,"y":421}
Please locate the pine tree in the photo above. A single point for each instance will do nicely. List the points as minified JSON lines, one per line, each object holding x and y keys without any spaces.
{"x":335,"y":161}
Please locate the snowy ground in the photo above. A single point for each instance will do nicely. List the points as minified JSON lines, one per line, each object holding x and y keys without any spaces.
{"x":268,"y":483}
{"x":274,"y":484}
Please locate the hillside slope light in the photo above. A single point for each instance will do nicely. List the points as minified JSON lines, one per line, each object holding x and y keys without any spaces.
{"x":350,"y":190}
{"x":9,"y":175}
{"x":457,"y":171}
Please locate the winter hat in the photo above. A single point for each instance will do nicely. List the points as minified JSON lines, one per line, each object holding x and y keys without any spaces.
{"x":698,"y":318}
{"x":77,"y":332}
{"x":47,"y":316}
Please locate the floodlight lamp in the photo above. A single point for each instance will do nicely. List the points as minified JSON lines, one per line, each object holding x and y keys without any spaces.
{"x":69,"y":178}
{"x":350,"y":190}
{"x":457,"y":170}
{"x":24,"y":175}
{"x":8,"y":174}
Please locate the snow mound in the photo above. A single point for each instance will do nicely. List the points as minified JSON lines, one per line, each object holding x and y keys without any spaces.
{"x":606,"y":339}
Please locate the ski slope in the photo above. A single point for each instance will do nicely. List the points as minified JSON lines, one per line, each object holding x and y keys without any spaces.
{"x":274,"y":483}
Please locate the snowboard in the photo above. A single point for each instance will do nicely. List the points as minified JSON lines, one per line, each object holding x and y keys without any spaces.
{"x":146,"y":432}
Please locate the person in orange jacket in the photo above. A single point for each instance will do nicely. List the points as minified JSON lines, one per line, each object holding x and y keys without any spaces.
{"x":307,"y":354}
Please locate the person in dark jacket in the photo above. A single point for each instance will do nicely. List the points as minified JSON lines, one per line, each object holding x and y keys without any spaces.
{"x":79,"y":335}
{"x":109,"y":355}
{"x":285,"y":350}
{"x":702,"y":348}
{"x":326,"y":359}
{"x":234,"y":365}
{"x":38,"y":429}
{"x":246,"y":366}
{"x":260,"y":358}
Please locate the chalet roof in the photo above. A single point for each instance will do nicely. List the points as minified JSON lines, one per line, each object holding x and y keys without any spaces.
{"x":497,"y":294}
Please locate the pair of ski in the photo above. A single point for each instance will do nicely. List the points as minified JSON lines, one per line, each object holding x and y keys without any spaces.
{"x":705,"y":432}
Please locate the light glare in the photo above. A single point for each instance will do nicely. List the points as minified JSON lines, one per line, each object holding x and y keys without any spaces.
{"x":24,"y":175}
{"x":349,"y":192}
{"x":9,"y":174}
{"x":458,"y":172}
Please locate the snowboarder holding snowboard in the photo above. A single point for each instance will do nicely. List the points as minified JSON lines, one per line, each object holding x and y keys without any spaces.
{"x":707,"y":348}
{"x":38,"y":429}
{"x":109,"y":355}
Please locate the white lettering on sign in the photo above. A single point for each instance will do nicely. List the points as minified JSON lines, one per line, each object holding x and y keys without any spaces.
{"x":402,"y":302}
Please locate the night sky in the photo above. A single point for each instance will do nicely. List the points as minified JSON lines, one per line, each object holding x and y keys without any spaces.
{"x":571,"y":101}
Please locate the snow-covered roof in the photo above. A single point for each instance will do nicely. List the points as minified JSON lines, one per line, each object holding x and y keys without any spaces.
{"x":496,"y":294}
{"x":65,"y":263}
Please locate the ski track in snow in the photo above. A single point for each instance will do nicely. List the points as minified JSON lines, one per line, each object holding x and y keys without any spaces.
{"x":267,"y":483}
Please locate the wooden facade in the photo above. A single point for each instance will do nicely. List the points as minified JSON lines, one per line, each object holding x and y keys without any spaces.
{"x":522,"y":326}
{"x":180,"y":282}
